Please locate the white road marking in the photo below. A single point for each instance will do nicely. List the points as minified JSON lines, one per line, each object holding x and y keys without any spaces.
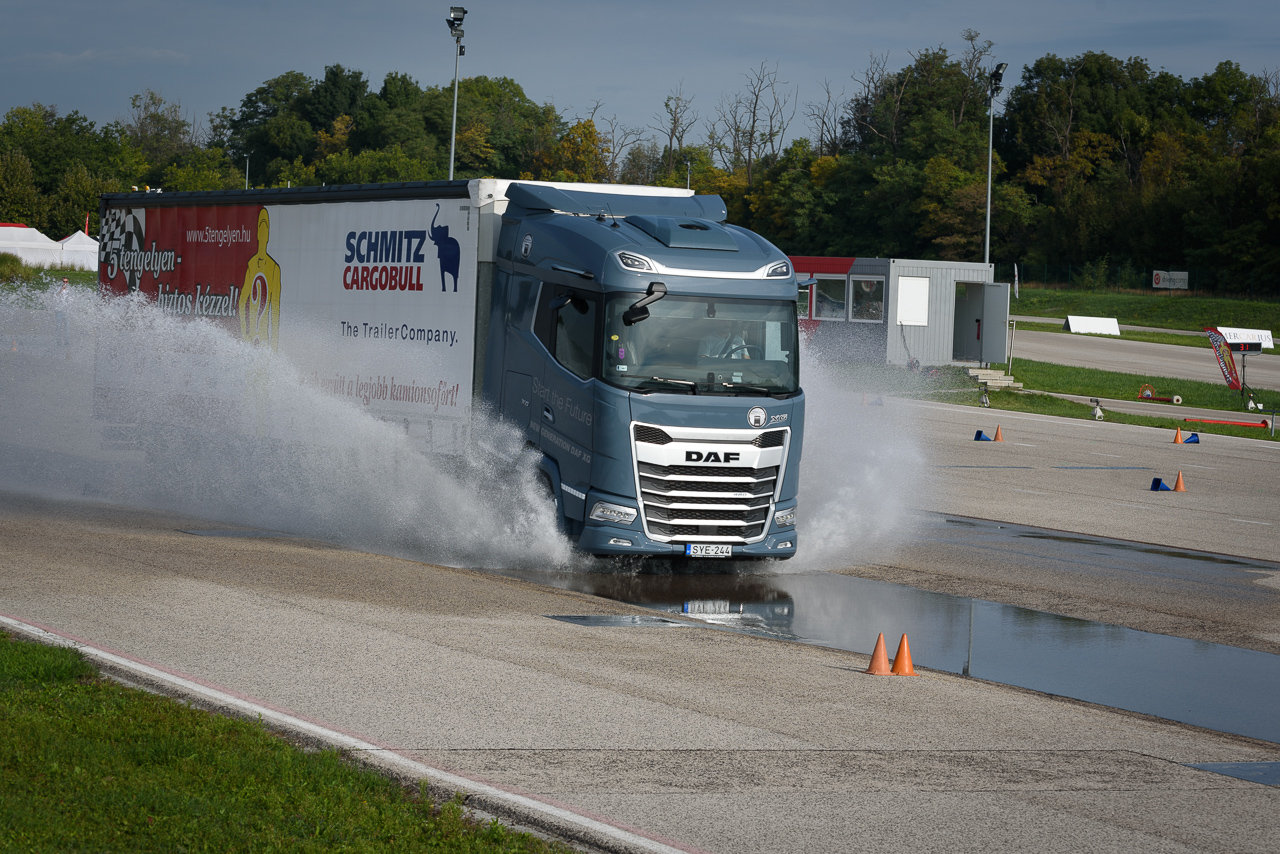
{"x":385,"y":755}
{"x":1252,"y":522}
{"x":1126,"y":504}
{"x":1024,"y":444}
{"x":1194,"y":466}
{"x":1100,"y":454}
{"x":1033,"y":492}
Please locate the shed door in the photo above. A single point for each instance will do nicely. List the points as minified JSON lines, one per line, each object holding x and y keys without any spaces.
{"x":995,"y":322}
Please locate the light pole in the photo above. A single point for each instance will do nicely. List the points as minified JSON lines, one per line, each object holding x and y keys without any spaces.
{"x":993,"y":89}
{"x":246,"y":171}
{"x":456,"y":14}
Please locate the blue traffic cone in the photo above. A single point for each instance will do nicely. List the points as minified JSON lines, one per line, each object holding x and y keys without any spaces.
{"x":1192,"y":439}
{"x":1158,"y":485}
{"x":981,"y":437}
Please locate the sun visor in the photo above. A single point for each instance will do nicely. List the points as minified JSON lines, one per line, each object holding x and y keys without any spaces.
{"x":540,"y":197}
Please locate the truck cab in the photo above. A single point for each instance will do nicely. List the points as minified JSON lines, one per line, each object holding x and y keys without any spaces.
{"x":649,"y":351}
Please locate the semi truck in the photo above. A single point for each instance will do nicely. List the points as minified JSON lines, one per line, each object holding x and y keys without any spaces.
{"x":646,"y":349}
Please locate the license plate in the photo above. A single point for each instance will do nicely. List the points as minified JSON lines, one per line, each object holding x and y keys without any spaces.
{"x":708,"y":550}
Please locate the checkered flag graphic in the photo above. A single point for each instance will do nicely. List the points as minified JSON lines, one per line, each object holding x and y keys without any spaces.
{"x":124,"y":230}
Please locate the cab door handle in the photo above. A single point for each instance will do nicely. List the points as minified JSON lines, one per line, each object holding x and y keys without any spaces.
{"x":548,"y":414}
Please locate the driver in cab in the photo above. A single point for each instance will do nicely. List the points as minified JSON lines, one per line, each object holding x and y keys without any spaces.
{"x":722,"y":341}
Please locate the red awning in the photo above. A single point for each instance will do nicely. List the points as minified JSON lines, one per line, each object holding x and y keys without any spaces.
{"x":814,"y":264}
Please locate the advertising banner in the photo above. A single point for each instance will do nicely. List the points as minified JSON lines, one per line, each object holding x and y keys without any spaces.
{"x":1165,"y":279}
{"x":1235,"y":335}
{"x":1225,"y":360}
{"x":371,"y":301}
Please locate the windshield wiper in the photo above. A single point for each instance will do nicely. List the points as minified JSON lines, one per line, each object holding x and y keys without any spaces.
{"x":689,"y":384}
{"x":758,"y":388}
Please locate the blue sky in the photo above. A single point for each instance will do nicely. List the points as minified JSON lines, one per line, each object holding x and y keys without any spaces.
{"x":92,"y":56}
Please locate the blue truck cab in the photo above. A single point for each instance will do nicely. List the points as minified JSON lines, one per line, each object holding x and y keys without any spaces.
{"x":650,"y":352}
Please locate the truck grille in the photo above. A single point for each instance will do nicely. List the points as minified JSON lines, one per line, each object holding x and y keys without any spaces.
{"x":695,"y":503}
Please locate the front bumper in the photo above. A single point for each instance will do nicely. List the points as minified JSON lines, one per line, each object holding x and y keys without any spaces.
{"x":601,"y":538}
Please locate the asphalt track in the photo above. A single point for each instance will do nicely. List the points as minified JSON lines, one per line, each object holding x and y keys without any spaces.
{"x":691,"y":738}
{"x":683,"y":737}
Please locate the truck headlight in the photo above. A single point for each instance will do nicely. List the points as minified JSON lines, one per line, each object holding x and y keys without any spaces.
{"x":636,"y":263}
{"x":779,"y":271}
{"x":785,"y":518}
{"x":606,"y":512}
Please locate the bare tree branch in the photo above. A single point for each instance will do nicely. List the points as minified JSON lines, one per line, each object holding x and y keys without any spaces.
{"x":824,"y":121}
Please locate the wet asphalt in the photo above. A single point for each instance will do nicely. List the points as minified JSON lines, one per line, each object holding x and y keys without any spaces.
{"x":712,"y":740}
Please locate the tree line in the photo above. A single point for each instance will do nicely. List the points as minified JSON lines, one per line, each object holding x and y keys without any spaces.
{"x":1097,"y":160}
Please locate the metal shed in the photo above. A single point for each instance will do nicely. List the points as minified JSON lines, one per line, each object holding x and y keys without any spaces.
{"x":897,"y":309}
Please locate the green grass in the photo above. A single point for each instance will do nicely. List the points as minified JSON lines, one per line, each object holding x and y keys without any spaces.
{"x":1172,"y":310}
{"x":88,"y":765}
{"x":1064,"y":379}
{"x":1045,"y":404}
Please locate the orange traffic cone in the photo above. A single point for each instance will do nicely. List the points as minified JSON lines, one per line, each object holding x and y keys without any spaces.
{"x":999,"y":436}
{"x":1178,"y":485}
{"x":879,"y":659}
{"x":1177,"y":437}
{"x":902,"y":661}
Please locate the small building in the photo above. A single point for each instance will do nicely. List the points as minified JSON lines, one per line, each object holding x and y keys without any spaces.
{"x":898,"y":310}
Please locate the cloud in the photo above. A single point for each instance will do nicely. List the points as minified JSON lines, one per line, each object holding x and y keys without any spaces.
{"x":93,"y":56}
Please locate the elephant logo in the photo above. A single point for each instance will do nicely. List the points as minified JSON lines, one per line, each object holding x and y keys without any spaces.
{"x":447,"y":250}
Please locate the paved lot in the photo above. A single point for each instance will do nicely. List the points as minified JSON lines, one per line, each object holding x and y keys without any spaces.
{"x":708,"y":740}
{"x":703,"y":739}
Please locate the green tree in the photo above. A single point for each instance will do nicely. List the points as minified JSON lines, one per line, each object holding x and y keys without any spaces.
{"x":76,"y":200}
{"x":203,"y":169}
{"x":157,"y":129}
{"x":20,"y":198}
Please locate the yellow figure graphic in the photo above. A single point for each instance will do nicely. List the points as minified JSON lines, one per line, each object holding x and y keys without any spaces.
{"x":260,"y":299}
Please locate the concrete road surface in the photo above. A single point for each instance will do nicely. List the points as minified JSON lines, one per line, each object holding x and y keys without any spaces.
{"x":1139,"y":357}
{"x":693,"y":739}
{"x":688,"y":738}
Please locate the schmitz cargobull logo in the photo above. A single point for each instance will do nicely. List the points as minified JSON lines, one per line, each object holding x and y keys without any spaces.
{"x":392,"y":260}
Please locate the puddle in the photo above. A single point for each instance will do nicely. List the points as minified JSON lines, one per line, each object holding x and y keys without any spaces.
{"x":1209,"y":685}
{"x":618,"y":620}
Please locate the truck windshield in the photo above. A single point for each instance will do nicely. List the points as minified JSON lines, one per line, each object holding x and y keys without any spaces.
{"x":701,"y":345}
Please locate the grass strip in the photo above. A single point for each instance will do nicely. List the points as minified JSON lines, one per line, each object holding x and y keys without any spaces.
{"x":89,"y":765}
{"x":1091,"y":382}
{"x":1047,"y":404}
{"x":1171,"y":310}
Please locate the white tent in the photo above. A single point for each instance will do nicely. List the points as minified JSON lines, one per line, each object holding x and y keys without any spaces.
{"x":79,"y":251}
{"x":30,"y":245}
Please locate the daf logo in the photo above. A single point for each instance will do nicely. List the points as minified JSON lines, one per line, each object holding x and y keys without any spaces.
{"x":526,"y":246}
{"x":711,"y":457}
{"x":757,"y":416}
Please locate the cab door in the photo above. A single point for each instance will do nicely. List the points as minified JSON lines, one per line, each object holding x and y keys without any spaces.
{"x":567,"y":323}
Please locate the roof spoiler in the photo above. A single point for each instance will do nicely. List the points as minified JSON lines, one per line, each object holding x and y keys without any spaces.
{"x":539,"y":197}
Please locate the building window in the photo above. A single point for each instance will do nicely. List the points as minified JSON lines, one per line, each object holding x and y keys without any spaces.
{"x":830,"y":299}
{"x":867,"y":298}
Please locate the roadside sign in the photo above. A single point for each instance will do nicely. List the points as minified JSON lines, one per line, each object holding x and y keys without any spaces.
{"x":1234,"y":335}
{"x":1166,"y":279}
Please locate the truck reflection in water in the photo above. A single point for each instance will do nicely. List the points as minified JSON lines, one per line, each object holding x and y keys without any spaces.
{"x":1205,"y":684}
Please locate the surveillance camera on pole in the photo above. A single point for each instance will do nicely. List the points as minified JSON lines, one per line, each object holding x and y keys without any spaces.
{"x":993,"y":89}
{"x":456,"y":14}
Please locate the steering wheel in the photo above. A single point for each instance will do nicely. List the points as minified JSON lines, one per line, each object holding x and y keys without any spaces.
{"x":748,"y":347}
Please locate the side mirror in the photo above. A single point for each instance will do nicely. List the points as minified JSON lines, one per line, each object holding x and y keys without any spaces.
{"x":637,"y":312}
